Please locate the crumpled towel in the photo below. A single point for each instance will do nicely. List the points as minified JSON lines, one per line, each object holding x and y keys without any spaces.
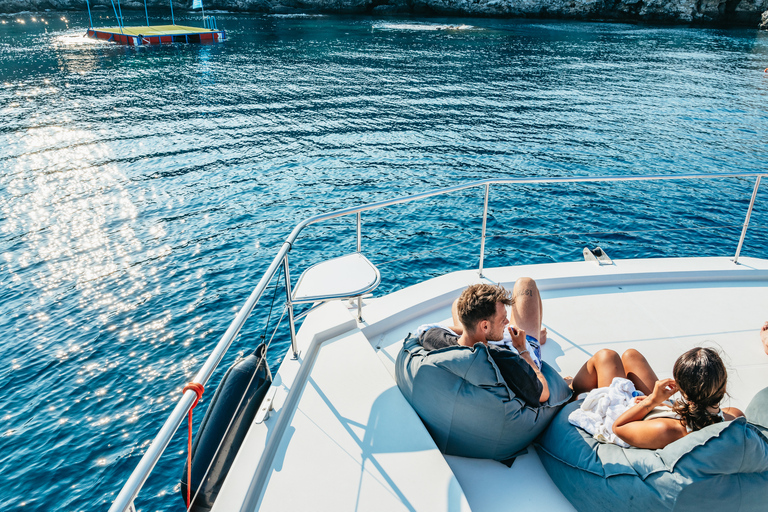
{"x":601,"y":408}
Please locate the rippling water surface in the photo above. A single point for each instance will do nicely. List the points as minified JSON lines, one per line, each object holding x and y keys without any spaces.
{"x":144,"y":191}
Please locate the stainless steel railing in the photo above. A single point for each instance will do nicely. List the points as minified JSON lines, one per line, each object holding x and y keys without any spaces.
{"x":135,"y":482}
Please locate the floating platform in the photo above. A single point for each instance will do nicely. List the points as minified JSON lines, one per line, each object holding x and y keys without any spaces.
{"x":157,"y":34}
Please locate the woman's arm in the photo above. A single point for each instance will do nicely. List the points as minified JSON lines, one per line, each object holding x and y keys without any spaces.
{"x":653,"y":434}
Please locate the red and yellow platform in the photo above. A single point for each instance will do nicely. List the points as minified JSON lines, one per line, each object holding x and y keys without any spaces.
{"x":157,"y":34}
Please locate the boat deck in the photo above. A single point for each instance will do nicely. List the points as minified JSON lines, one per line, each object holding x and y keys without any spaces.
{"x":353,"y":442}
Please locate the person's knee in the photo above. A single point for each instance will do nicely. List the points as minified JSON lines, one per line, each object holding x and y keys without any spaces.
{"x":606,"y":356}
{"x":526,"y":283}
{"x":631,"y":355}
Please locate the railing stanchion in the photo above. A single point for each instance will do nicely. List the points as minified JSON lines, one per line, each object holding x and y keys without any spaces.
{"x":746,"y":221}
{"x":359,"y":249}
{"x":359,"y":232}
{"x":289,"y":303}
{"x":482,"y":237}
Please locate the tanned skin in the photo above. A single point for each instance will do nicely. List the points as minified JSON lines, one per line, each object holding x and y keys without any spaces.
{"x":764,"y":337}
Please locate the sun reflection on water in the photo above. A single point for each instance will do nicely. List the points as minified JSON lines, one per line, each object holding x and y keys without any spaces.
{"x":63,"y":208}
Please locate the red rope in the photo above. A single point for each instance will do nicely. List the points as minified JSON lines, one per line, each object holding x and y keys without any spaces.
{"x":198,"y":389}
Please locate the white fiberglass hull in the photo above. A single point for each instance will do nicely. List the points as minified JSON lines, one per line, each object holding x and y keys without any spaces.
{"x":342,"y":437}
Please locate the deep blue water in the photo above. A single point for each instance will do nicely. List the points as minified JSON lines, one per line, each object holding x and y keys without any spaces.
{"x":143,"y":192}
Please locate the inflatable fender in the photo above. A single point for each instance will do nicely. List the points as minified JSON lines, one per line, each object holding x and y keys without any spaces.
{"x":248,"y":379}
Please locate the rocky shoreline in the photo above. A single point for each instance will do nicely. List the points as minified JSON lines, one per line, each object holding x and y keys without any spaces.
{"x":742,"y":12}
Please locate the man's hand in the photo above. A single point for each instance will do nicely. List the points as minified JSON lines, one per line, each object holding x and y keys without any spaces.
{"x":518,"y":339}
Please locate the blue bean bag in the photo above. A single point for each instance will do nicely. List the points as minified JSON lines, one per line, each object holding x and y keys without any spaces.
{"x":720,"y":467}
{"x":465,"y":404}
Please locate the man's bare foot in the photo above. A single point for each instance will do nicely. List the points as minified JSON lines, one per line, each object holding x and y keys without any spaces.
{"x":543,"y":335}
{"x":764,"y":336}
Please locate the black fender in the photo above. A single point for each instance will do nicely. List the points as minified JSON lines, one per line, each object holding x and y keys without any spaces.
{"x":248,"y":379}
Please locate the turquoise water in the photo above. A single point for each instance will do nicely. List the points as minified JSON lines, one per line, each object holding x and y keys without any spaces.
{"x":143,"y":191}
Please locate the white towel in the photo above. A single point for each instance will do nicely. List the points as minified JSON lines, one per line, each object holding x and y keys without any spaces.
{"x":601,"y":408}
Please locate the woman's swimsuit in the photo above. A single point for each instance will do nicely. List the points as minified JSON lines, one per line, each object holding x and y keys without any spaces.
{"x":665,"y":411}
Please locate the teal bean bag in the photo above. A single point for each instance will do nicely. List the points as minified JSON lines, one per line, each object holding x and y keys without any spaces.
{"x":463,"y":401}
{"x":720,"y":467}
{"x":757,"y":410}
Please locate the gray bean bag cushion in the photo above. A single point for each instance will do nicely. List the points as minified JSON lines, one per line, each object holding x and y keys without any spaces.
{"x":468,"y":409}
{"x":721,"y":467}
{"x":757,"y":410}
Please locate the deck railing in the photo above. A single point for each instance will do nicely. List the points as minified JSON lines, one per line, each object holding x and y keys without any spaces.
{"x":124,"y":500}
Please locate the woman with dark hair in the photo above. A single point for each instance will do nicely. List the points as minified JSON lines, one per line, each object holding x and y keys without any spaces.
{"x":653,"y":422}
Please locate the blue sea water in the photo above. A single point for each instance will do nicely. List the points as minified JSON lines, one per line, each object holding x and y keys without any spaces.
{"x":144,"y":191}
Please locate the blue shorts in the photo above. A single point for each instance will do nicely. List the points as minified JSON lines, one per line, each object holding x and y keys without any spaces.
{"x":535,"y":344}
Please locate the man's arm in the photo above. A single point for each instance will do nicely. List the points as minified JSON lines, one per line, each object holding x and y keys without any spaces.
{"x":526,"y":356}
{"x":518,"y":341}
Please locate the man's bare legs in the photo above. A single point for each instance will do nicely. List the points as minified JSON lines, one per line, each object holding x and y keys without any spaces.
{"x":764,"y":336}
{"x":600,"y":370}
{"x":527,"y":310}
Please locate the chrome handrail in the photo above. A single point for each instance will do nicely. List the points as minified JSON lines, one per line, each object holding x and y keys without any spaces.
{"x":128,"y":493}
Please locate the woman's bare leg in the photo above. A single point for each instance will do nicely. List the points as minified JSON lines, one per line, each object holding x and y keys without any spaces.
{"x":598,"y":372}
{"x":639,"y":371}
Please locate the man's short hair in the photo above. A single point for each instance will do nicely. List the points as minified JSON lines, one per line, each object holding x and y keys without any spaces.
{"x":478,"y":302}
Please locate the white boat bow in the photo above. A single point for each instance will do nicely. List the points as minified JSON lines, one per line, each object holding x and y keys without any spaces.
{"x":341,"y":436}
